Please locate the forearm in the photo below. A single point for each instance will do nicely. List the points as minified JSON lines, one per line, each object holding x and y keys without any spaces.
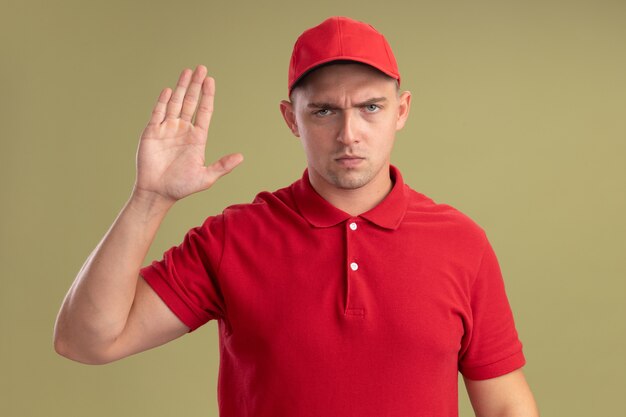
{"x":96,"y":307}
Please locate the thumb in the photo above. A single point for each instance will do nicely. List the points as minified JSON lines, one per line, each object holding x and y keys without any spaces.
{"x":222,"y":167}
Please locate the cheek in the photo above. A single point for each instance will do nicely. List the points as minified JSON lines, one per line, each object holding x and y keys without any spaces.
{"x":381,"y":132}
{"x":318,"y":127}
{"x":386,"y":137}
{"x":314,"y":148}
{"x":317,"y":136}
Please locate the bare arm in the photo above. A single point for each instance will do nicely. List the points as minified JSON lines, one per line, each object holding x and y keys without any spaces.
{"x":505,"y":396}
{"x":109,"y":312}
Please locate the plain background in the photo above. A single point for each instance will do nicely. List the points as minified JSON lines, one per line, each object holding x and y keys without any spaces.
{"x":518,"y":120}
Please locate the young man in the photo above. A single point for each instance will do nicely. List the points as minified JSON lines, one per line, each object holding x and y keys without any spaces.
{"x":345,"y":294}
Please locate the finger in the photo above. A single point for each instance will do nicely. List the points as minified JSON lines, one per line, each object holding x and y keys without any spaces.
{"x":193,"y":92}
{"x":222,"y":167}
{"x":205,"y":108}
{"x":176,"y":101}
{"x":158,"y":112}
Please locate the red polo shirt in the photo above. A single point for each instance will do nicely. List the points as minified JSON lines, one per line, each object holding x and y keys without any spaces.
{"x":326,"y":314}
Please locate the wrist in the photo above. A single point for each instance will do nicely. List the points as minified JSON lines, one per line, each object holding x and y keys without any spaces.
{"x":149,"y":202}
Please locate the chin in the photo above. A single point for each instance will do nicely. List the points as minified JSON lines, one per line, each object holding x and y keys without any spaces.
{"x":349,"y":181}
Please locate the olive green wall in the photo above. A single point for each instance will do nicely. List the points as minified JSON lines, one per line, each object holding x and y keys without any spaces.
{"x":518,"y":120}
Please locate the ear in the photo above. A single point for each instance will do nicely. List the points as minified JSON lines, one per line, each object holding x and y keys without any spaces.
{"x":403,"y":109}
{"x":287,"y":110}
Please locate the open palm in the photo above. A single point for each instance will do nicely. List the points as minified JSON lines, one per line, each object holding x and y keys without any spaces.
{"x":170,"y":156}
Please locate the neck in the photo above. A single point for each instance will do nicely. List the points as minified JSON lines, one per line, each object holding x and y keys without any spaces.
{"x":355,"y":201}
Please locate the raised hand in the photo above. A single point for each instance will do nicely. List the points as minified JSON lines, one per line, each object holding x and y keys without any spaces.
{"x":170,"y":156}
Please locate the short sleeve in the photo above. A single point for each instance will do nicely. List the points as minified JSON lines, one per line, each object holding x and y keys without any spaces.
{"x":186,"y":277}
{"x":491,"y":346}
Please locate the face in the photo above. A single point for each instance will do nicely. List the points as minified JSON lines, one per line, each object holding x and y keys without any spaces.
{"x":346,"y":117}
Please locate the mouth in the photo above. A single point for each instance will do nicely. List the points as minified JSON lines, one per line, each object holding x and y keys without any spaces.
{"x":349,"y":160}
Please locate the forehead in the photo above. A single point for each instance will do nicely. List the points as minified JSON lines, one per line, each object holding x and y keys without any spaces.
{"x":339,"y":80}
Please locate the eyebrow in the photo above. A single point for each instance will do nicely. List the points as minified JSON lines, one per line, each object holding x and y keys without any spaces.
{"x":328,"y":105}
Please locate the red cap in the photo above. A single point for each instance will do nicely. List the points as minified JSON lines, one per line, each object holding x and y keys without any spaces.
{"x":341,"y":38}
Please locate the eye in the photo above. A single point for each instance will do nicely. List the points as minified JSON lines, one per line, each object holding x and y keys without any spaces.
{"x":322,"y":112}
{"x":372,"y":108}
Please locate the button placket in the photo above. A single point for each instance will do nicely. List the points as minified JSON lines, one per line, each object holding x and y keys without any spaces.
{"x":353,"y":302}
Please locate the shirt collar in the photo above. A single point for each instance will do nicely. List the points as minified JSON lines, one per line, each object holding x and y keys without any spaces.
{"x":320,"y":213}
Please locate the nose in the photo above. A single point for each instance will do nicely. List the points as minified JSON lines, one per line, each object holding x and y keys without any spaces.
{"x":348,"y":132}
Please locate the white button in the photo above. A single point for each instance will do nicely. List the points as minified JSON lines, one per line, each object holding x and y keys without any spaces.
{"x":353,"y":226}
{"x":354,"y":266}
